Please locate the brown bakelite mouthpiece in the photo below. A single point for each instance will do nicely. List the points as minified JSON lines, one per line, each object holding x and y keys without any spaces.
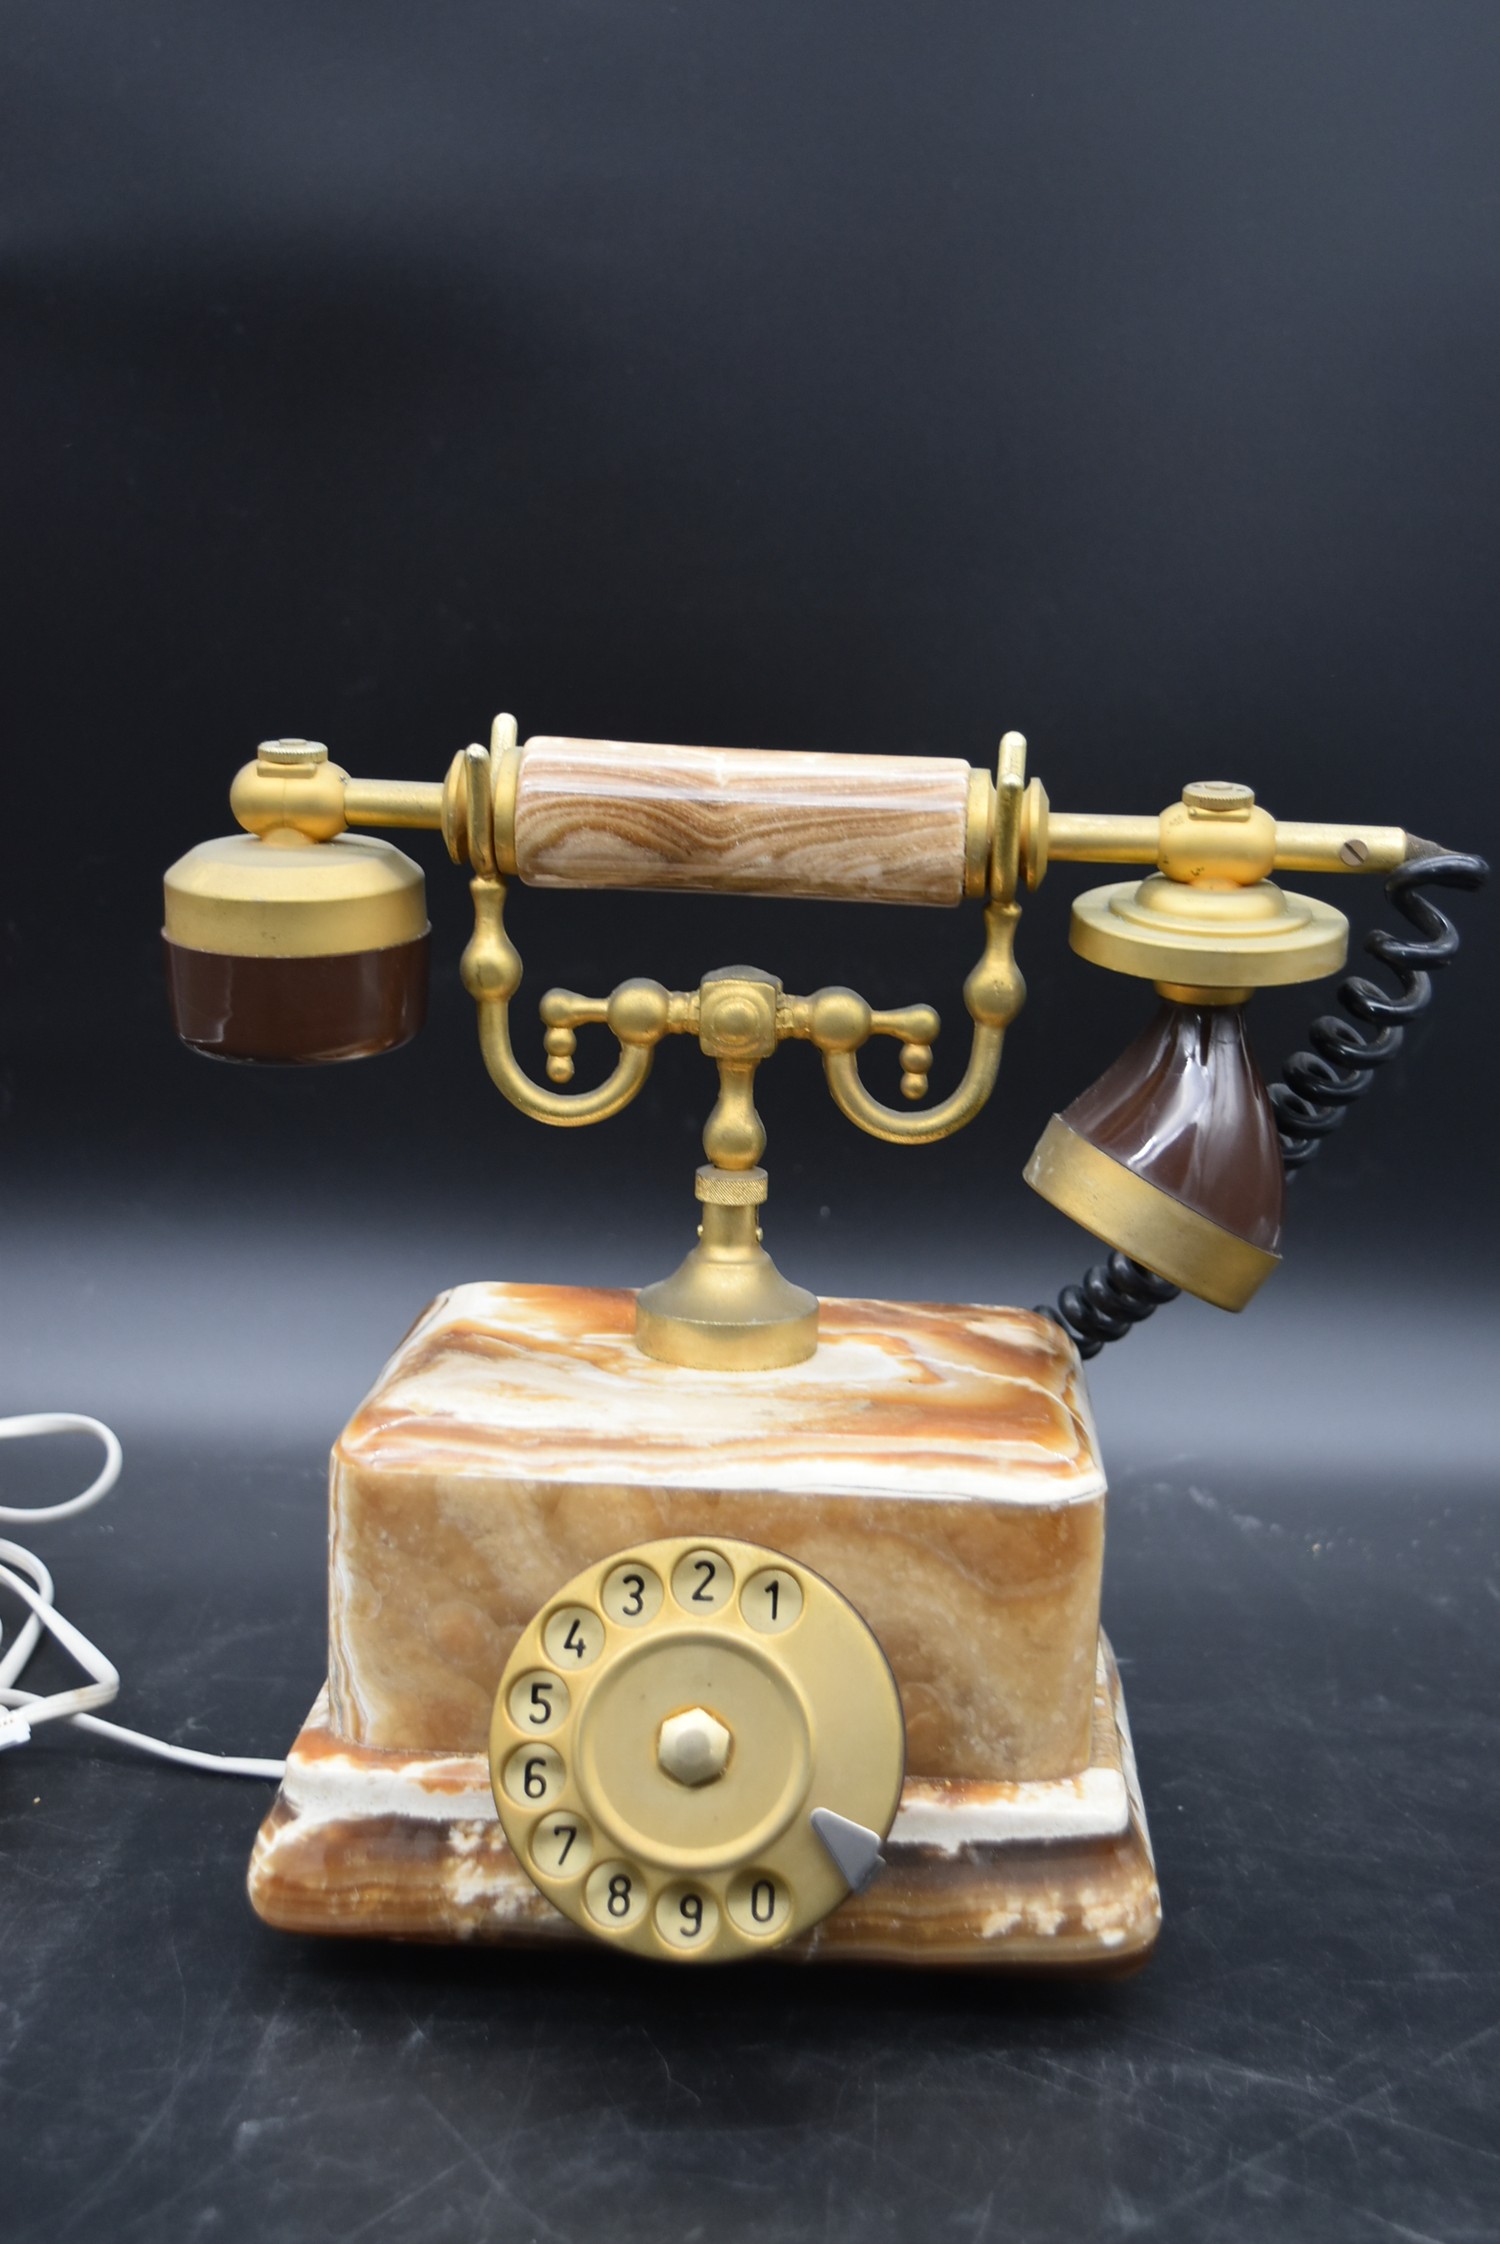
{"x":1173,"y":1157}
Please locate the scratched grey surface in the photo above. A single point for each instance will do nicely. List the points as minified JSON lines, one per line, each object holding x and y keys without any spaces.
{"x":1312,"y":1669}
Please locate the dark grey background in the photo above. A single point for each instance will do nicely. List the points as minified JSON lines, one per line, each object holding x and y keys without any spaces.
{"x":861,"y":377}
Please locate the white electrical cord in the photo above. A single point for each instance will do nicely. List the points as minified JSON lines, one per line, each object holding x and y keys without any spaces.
{"x":22,"y":1571}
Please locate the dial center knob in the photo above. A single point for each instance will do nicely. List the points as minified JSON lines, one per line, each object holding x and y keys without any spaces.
{"x":694,"y":1746}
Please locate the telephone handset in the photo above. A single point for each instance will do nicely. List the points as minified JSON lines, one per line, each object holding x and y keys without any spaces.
{"x":715,"y":1616}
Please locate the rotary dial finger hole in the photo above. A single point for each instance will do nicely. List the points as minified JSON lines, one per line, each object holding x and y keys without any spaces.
{"x":632,"y":1594}
{"x":534,"y":1776}
{"x":616,"y":1896}
{"x":573,"y":1637}
{"x":771,"y":1600}
{"x":538,"y":1702}
{"x":760,"y":1904}
{"x":687,"y":1916}
{"x":702,"y":1582}
{"x":562,"y":1845}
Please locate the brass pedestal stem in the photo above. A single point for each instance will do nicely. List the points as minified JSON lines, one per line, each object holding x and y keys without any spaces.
{"x":727,"y":1307}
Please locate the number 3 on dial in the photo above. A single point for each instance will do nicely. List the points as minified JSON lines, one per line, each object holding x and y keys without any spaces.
{"x":632,"y":1595}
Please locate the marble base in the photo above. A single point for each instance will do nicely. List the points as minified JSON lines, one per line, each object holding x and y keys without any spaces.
{"x":1052,"y":1872}
{"x":935,"y":1462}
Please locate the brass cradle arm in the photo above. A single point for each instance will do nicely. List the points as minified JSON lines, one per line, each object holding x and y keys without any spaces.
{"x":838,"y":1022}
{"x":639,"y":1013}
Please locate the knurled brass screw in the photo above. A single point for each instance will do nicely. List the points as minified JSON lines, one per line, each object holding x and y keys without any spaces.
{"x":1218,"y":794}
{"x":291,"y":752}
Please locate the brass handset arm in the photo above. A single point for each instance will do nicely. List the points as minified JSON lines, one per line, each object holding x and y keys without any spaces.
{"x":1268,"y":845}
{"x":410,"y":804}
{"x":582,"y":813}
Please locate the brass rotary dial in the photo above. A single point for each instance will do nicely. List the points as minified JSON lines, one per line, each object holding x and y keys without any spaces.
{"x":697,"y":1748}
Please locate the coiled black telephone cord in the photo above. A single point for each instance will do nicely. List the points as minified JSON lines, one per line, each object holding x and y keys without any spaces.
{"x":1320,"y":1087}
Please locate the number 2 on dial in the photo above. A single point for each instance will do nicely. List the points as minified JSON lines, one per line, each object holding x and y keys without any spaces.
{"x":702,"y":1581}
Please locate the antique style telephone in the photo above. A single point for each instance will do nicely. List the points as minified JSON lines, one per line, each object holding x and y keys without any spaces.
{"x":716,"y":1617}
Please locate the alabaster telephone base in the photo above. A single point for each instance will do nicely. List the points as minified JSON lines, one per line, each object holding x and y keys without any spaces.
{"x":935,"y":1463}
{"x":407,"y":1846}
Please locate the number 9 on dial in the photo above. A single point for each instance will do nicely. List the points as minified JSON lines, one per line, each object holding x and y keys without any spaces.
{"x":686,"y":1916}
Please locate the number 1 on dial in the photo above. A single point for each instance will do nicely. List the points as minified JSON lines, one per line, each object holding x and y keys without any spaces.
{"x":772,"y":1600}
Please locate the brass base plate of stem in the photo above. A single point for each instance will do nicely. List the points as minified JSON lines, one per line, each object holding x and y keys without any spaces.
{"x":727,"y":1307}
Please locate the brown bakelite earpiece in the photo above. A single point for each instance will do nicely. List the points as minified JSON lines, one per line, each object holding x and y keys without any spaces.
{"x":284,"y":950}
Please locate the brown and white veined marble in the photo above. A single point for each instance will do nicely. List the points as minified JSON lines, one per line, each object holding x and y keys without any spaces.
{"x":937,"y":1464}
{"x":1052,"y":1874}
{"x":746,"y":822}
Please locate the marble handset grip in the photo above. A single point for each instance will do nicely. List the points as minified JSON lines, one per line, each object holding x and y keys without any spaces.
{"x":748,"y":822}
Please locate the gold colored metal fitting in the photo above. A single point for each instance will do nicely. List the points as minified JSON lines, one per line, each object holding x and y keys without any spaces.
{"x":1082,"y":837}
{"x":1167,"y":1236}
{"x":979,"y":833}
{"x":1225,"y":937}
{"x":1195,"y":993}
{"x":477,"y":805}
{"x":409,"y":804}
{"x":727,"y":1307}
{"x":731,"y":1188}
{"x":246,"y":898}
{"x":1223,"y":798}
{"x":1215,"y":837}
{"x":277,"y":753}
{"x":1036,"y":833}
{"x":290,"y":798}
{"x":737,"y":1013}
{"x":1206,"y":925}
